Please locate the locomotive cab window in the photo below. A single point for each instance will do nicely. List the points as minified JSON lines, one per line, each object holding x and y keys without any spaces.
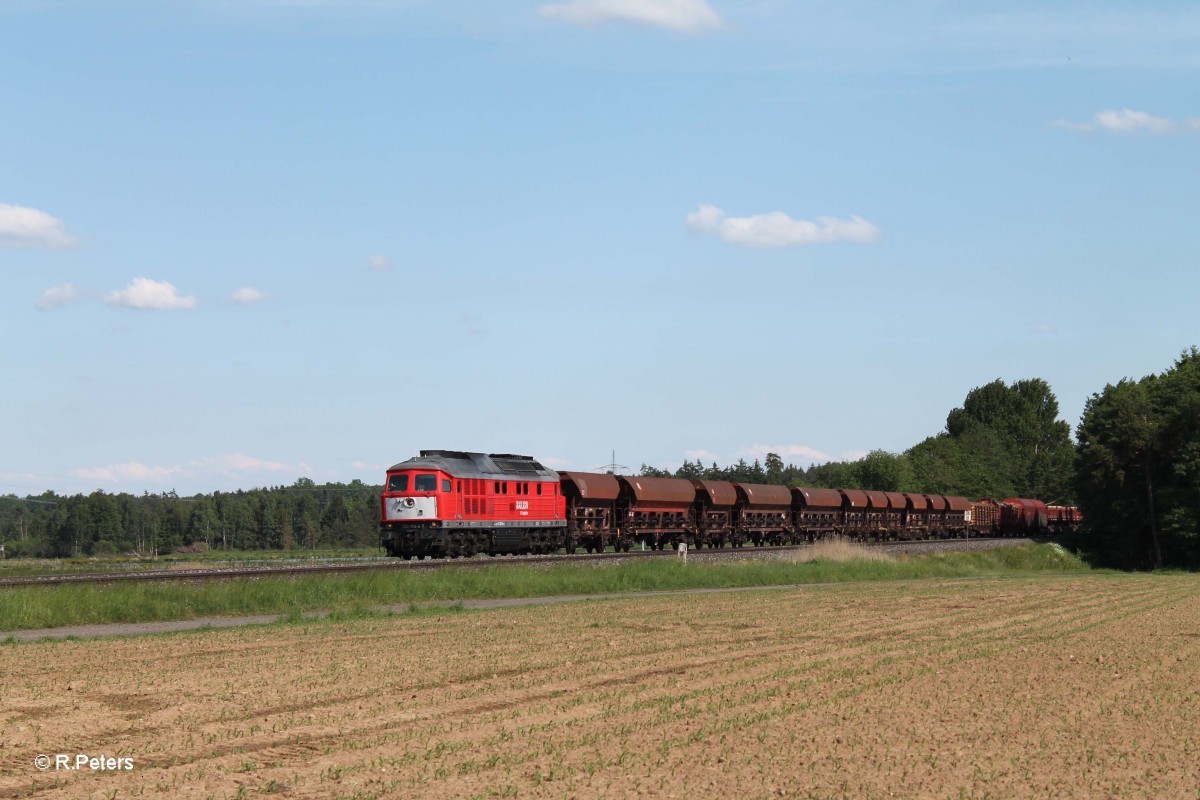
{"x":447,"y":486}
{"x":425,"y":483}
{"x":398,"y":483}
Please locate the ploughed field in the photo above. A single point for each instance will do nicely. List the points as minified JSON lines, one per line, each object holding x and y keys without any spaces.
{"x":1085,"y":686}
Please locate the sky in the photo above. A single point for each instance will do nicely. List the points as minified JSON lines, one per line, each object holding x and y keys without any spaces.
{"x":248,"y":241}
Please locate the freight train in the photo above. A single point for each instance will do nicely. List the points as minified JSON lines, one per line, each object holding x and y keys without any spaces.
{"x":446,"y":503}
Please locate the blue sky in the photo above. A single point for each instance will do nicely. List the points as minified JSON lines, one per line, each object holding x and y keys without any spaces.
{"x":244,"y":242}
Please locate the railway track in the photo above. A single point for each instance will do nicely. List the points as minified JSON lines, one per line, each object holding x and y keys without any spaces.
{"x":707,"y":554}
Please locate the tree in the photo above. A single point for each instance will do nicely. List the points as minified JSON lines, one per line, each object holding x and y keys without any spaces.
{"x":834,"y":475}
{"x":104,"y":532}
{"x":1138,"y":468}
{"x":203,"y":524}
{"x":648,"y":471}
{"x":1118,"y":439}
{"x":1036,"y":445}
{"x":885,"y":472}
{"x":335,"y":522}
{"x":774,"y":468}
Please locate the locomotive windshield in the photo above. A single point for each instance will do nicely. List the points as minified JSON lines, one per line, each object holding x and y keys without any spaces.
{"x":425,"y":483}
{"x":398,"y":483}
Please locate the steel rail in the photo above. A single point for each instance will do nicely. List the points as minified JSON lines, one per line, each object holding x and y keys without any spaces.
{"x":425,"y":564}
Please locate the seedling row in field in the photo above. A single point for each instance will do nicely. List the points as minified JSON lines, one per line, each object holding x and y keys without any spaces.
{"x":1002,"y":687}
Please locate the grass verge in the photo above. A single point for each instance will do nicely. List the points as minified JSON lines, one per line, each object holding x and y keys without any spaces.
{"x":24,"y":608}
{"x":131,"y":563}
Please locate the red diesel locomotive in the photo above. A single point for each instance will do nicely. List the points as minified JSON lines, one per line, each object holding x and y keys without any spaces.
{"x":447,"y":503}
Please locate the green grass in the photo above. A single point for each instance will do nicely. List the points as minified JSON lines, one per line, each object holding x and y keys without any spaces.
{"x":365,"y":592}
{"x":122,"y":563}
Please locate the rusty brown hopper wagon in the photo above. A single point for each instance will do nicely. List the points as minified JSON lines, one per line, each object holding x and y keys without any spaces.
{"x":715,"y":515}
{"x":656,"y":511}
{"x":591,"y":509}
{"x":764,"y":512}
{"x":854,"y":512}
{"x":818,"y":511}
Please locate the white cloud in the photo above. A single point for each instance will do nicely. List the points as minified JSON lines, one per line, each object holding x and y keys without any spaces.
{"x":247,"y":296}
{"x":683,"y":16}
{"x":1043,"y":328}
{"x":24,"y":479}
{"x":233,"y":464}
{"x":144,"y":293}
{"x":777,"y":229}
{"x":129,"y":471}
{"x":701,"y":454}
{"x":554,"y":462}
{"x":784,"y":451}
{"x":27,"y":227}
{"x":854,"y":455}
{"x":1126,"y":121}
{"x":57,"y":297}
{"x":379,"y":263}
{"x":240,"y":462}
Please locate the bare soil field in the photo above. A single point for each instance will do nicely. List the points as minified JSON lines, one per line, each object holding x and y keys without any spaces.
{"x":1048,"y":687}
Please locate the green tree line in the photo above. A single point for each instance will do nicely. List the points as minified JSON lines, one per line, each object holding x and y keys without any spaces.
{"x":1137,"y":471}
{"x":304,"y":514}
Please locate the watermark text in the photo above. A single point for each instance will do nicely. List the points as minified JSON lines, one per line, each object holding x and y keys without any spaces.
{"x":81,"y":761}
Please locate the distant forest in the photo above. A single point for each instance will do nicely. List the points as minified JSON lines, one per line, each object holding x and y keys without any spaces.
{"x":1135,"y":473}
{"x":303,"y":515}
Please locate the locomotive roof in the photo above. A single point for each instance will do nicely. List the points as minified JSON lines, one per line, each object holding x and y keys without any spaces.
{"x":479,"y":465}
